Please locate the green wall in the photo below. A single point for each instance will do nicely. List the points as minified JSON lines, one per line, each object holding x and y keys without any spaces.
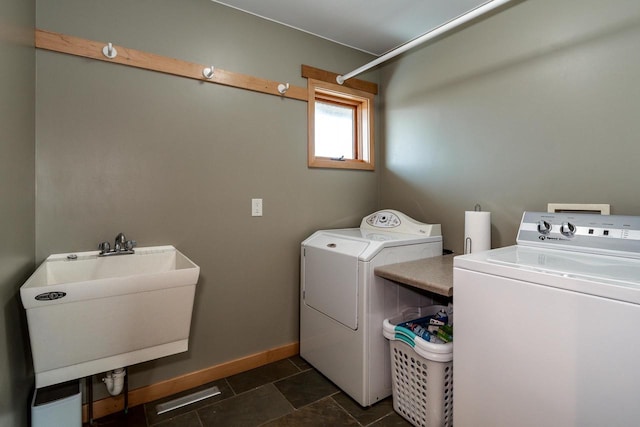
{"x":17,"y":199}
{"x":537,"y":104}
{"x":168,"y":160}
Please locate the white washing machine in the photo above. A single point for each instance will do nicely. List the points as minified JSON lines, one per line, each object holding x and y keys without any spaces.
{"x":343,"y":304}
{"x":545,"y":331}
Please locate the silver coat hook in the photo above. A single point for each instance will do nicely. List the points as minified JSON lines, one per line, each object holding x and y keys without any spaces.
{"x":208,"y":72}
{"x":283,"y":88}
{"x":109,"y":51}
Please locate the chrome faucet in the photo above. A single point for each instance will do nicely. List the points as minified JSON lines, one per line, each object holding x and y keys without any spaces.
{"x":121,"y":246}
{"x":120,"y":242}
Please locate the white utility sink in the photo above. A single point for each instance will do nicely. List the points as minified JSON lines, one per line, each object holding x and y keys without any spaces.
{"x":93,"y":314}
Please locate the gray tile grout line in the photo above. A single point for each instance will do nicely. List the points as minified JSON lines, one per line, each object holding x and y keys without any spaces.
{"x":382,"y":418}
{"x":345,"y":409}
{"x":199,"y":420}
{"x":270,"y":382}
{"x":230,"y":386}
{"x":286,"y":400}
{"x":378,"y":419}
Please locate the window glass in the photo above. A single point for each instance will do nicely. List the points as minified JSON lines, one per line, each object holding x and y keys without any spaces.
{"x":335,"y":136}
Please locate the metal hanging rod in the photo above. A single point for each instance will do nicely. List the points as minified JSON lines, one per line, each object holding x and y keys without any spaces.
{"x":448,"y":26}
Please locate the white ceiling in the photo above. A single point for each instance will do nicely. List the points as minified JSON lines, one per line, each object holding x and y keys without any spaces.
{"x":373,"y":26}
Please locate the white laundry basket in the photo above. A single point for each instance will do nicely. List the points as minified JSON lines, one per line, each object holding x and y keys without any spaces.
{"x":422,"y":372}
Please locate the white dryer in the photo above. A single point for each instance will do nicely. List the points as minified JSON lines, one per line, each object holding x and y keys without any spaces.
{"x":343,"y":304}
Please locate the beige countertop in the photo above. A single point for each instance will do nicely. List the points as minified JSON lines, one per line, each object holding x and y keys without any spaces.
{"x":431,"y":274}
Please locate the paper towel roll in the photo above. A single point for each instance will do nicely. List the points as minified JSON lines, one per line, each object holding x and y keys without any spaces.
{"x":477,"y":231}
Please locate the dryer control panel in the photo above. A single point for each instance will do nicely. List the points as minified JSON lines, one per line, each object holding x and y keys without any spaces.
{"x":390,"y":220}
{"x":593,"y":233}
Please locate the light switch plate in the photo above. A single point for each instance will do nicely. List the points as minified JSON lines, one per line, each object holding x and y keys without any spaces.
{"x":256,"y":207}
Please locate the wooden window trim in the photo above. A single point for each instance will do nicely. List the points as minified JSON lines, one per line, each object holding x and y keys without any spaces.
{"x":310,"y":72}
{"x":364,"y":135}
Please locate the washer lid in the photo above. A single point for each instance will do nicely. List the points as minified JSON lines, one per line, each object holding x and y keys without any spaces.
{"x":570,"y":264}
{"x":602,"y":275}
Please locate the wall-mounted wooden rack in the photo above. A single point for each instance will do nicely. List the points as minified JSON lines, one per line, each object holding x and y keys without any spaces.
{"x":77,"y":46}
{"x":134,"y":58}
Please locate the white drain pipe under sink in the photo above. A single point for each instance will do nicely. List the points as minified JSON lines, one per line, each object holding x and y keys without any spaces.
{"x":114,"y":381}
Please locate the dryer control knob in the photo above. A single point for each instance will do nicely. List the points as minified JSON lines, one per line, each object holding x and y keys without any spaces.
{"x":544,"y":227}
{"x":568,"y":229}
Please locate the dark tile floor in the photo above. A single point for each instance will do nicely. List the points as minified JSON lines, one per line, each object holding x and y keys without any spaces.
{"x":284,"y":393}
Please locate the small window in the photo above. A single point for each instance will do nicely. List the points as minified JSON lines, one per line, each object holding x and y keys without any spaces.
{"x":335,"y":130}
{"x":340,"y":127}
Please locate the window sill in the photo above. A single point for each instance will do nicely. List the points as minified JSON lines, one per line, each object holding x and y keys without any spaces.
{"x":325,"y":162}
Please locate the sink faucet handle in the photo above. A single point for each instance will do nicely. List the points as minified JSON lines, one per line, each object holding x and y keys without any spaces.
{"x":130,"y":244}
{"x":104,"y":247}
